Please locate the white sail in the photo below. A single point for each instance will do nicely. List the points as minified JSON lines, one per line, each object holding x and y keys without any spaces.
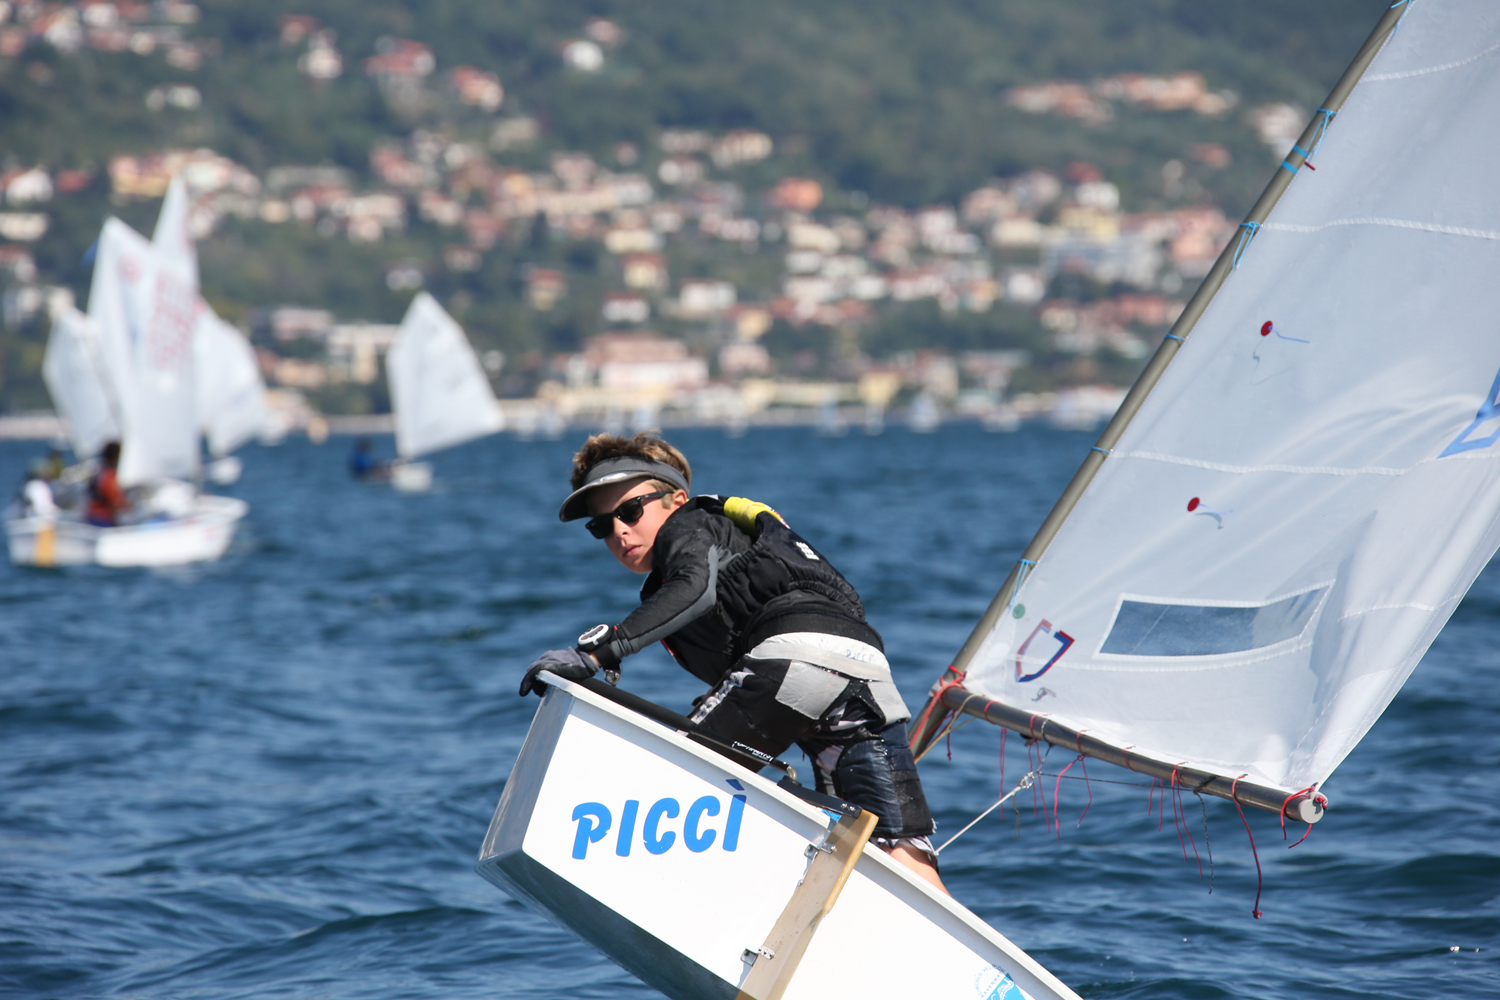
{"x":231,"y":395}
{"x":71,"y":371}
{"x":173,"y":237}
{"x":1314,"y":483}
{"x":143,"y":306}
{"x":439,"y":394}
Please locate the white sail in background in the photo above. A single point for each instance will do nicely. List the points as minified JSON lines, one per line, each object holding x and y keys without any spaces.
{"x":1314,"y":483}
{"x":173,"y":237}
{"x":71,"y":371}
{"x":439,"y":394}
{"x":143,"y":306}
{"x":231,"y":395}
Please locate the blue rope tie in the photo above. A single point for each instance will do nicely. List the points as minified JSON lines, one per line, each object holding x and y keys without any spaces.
{"x":1023,"y":565}
{"x":1095,"y":447}
{"x":1293,"y":168}
{"x":1173,"y":336}
{"x":1409,"y":5}
{"x":1325,"y":119}
{"x":1247,"y":233}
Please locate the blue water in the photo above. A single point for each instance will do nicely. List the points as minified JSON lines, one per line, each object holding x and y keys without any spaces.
{"x":269,"y":777}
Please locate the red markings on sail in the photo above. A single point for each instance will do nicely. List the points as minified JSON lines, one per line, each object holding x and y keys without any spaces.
{"x":1197,"y":506}
{"x":169,"y":334}
{"x":1064,"y":641}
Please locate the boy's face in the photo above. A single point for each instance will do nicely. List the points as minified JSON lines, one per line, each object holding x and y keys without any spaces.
{"x":632,"y":543}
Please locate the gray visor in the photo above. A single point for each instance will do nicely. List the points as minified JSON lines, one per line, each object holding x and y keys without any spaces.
{"x":617,"y":470}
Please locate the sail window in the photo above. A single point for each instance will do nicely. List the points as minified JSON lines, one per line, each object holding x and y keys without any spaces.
{"x":1151,"y":628}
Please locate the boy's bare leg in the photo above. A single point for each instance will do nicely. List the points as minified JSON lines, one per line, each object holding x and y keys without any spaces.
{"x":919,"y":862}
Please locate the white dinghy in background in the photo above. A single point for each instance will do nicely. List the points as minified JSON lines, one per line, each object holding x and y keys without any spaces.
{"x":709,"y":881}
{"x":199,"y":531}
{"x":440,"y":396}
{"x":127,"y":372}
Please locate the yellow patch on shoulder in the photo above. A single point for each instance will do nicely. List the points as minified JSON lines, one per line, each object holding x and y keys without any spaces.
{"x":743,"y":512}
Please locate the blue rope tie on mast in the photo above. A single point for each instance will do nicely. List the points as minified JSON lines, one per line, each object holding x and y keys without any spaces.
{"x":1095,"y":447}
{"x":1409,"y":5}
{"x":1247,"y":233}
{"x":1325,"y":119}
{"x":1173,"y":336}
{"x":1023,"y":566}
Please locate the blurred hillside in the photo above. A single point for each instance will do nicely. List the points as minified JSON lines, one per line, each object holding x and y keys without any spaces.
{"x":512,"y":157}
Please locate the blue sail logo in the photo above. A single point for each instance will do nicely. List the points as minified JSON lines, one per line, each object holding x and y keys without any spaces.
{"x":1488,"y":410}
{"x":992,"y":984}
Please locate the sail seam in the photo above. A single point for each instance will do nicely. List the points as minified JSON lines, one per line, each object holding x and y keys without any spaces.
{"x":1445,"y":67}
{"x":1374,"y":470}
{"x":1428,"y":227}
{"x":1125,"y":663}
{"x":1430,"y":608}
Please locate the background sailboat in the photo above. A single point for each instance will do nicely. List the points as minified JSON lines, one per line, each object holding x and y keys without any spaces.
{"x":143,"y":304}
{"x":1306,"y":480}
{"x":230,"y":394}
{"x":128,"y":370}
{"x":440,"y":396}
{"x":71,"y":370}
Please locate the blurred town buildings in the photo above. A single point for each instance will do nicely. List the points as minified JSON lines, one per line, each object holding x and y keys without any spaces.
{"x":827,"y":263}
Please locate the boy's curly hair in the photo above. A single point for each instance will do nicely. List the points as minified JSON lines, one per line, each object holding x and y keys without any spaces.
{"x":644,"y":445}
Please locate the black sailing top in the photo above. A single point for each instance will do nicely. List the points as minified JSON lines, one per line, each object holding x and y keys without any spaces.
{"x":721,"y":583}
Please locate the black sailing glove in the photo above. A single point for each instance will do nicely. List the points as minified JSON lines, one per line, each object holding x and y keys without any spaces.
{"x":571,"y":664}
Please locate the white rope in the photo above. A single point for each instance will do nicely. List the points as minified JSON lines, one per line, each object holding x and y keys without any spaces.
{"x":1027,"y":780}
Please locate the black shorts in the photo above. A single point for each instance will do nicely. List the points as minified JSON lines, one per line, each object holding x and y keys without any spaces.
{"x":858,"y":755}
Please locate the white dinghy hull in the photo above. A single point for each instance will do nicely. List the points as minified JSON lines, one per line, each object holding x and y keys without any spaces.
{"x":202,"y":535}
{"x":411,"y":477}
{"x":681,"y":866}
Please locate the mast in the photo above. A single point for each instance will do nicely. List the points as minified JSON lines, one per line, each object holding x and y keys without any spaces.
{"x":948,"y":693}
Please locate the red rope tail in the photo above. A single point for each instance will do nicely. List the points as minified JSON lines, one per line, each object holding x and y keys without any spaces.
{"x":1034,"y":766}
{"x":1233,"y":797}
{"x":1039,"y":789}
{"x":1286,"y":802}
{"x":1086,"y":786}
{"x":1177,"y":808}
{"x":1187,"y":828}
{"x":1042,"y":788}
{"x":936,"y":701}
{"x":1151,"y":801}
{"x":1057,"y":795}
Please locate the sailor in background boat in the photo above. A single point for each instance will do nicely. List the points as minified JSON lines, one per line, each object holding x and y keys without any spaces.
{"x":106,"y":500}
{"x":364,"y":465}
{"x":35,"y":498}
{"x":747,"y":606}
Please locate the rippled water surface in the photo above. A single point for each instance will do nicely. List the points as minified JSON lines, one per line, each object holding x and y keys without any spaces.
{"x":269,"y":777}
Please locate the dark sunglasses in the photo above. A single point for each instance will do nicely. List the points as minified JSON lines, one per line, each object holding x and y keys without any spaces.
{"x":603,"y":525}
